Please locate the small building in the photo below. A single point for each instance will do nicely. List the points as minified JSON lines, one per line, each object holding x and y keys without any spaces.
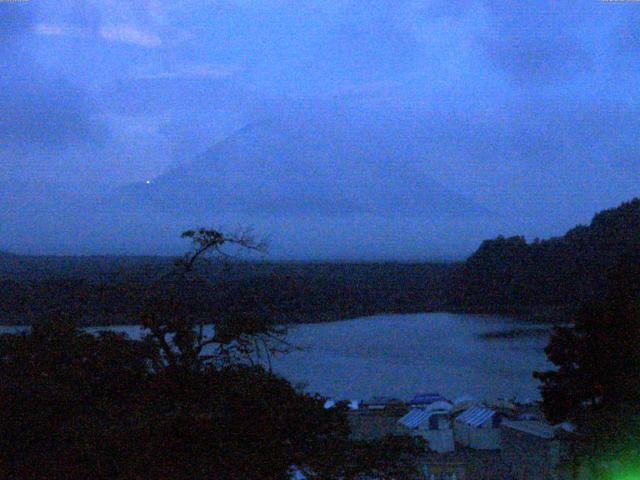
{"x":442,"y":406}
{"x":374,"y":424}
{"x":529,"y":411}
{"x":433,"y":426}
{"x":384,"y":403}
{"x":505,"y":404}
{"x":479,"y":428}
{"x":534,"y":450}
{"x":422,"y":400}
{"x":463,"y":403}
{"x":391,"y":406}
{"x":528,"y":416}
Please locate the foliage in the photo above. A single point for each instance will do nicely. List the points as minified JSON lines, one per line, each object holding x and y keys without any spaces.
{"x":79,"y":406}
{"x":509,"y":275}
{"x":178,"y":306}
{"x":66,"y":398}
{"x":388,"y":458}
{"x":596,"y":385}
{"x":82,"y":406}
{"x":110,"y":291}
{"x":175,"y":405}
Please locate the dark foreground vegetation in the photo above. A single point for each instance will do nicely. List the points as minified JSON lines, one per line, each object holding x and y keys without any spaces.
{"x":596,"y":383}
{"x":76,"y":406}
{"x":175,"y":405}
{"x":178,"y":404}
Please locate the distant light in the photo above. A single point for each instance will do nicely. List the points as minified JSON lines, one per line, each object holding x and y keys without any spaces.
{"x":148,"y":182}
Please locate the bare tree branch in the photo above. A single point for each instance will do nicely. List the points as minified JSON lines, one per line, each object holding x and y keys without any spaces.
{"x":181,"y":336}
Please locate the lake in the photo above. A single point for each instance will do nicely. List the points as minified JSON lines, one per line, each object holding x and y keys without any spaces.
{"x":399,"y":355}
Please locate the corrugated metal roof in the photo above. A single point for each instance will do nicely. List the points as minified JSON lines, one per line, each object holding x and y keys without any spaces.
{"x":475,"y":416}
{"x":414,"y":418}
{"x":532,"y":427}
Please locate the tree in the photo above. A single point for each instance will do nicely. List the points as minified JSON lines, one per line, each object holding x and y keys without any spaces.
{"x":177,"y":405}
{"x":389,"y":458}
{"x":596,"y":385}
{"x":179,"y":305}
{"x":507,"y":275}
{"x":78,"y":406}
{"x":66,"y":398}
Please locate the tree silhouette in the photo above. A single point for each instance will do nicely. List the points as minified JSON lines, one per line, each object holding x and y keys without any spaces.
{"x":78,"y":406}
{"x":596,"y":385}
{"x":179,"y":305}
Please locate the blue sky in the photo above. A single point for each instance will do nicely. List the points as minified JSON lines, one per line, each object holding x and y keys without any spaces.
{"x":529,"y":110}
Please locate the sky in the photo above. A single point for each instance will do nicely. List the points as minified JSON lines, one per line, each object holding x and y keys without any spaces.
{"x":529,"y":112}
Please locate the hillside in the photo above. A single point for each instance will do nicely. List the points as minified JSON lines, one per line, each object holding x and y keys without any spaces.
{"x":110,"y":290}
{"x":548,"y":277}
{"x":545,"y":279}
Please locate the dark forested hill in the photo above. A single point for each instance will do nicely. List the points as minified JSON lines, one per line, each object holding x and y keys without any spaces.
{"x":109,"y":290}
{"x":509,"y":275}
{"x":545,"y":279}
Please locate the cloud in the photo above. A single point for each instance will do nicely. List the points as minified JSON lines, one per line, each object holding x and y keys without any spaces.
{"x":62,"y":30}
{"x":539,"y":41}
{"x":192,"y":71}
{"x":115,"y":33}
{"x":43,"y":115}
{"x":137,"y":23}
{"x":15,"y":19}
{"x":49,"y":29}
{"x":130,"y":34}
{"x":529,"y":109}
{"x":52,"y":113}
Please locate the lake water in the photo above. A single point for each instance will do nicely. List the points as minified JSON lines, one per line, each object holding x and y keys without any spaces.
{"x":399,"y":355}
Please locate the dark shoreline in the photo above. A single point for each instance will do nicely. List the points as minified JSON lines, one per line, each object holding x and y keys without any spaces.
{"x":109,"y":290}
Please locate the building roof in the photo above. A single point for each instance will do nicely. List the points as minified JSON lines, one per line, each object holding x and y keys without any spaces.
{"x":414,"y":418}
{"x":531,"y":427}
{"x":426,"y":398}
{"x":441,"y":405}
{"x":419,"y":416}
{"x":475,"y":416}
{"x":464,"y":399}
